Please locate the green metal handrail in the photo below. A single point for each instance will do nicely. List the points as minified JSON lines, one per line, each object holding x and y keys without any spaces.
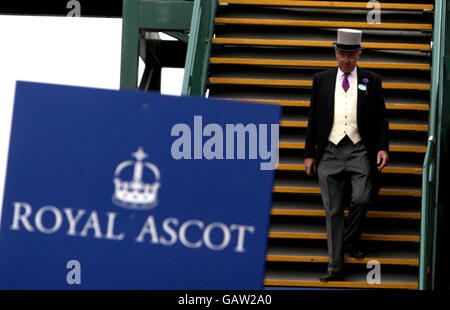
{"x":167,"y":16}
{"x":426,"y":264}
{"x":197,"y":58}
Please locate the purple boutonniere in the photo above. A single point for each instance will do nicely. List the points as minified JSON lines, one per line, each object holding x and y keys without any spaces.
{"x":365,"y":81}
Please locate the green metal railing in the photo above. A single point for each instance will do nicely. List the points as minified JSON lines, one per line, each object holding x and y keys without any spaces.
{"x":429,"y":179}
{"x":174,"y":15}
{"x":199,"y":46}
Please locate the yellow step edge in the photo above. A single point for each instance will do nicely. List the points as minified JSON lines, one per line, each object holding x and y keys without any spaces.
{"x":348,"y":260}
{"x":316,"y":190}
{"x":402,"y":170}
{"x":322,"y":236}
{"x":331,"y":4}
{"x":299,"y":124}
{"x":320,"y":23}
{"x":275,"y":42}
{"x":404,"y":106}
{"x":369,"y":214}
{"x":297,"y":212}
{"x":392,"y":148}
{"x":304,"y":124}
{"x":299,"y":167}
{"x":291,"y":167}
{"x":291,"y":145}
{"x":338,"y":284}
{"x":414,"y":149}
{"x":408,"y":127}
{"x":376,"y":237}
{"x":287,"y":235}
{"x":305,"y":103}
{"x":315,"y":63}
{"x":403,"y":215}
{"x":278,"y":82}
{"x":296,"y":190}
{"x":285,"y":103}
{"x":275,"y":82}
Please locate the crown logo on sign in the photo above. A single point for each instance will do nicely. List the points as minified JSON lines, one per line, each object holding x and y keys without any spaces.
{"x":135,"y":194}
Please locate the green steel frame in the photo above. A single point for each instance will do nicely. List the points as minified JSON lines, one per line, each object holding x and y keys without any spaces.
{"x":441,"y":268}
{"x":202,"y":27}
{"x":430,"y":177}
{"x":167,"y":16}
{"x":171,"y":16}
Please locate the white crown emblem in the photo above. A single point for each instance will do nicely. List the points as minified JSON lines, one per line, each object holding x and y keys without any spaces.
{"x":135,"y":194}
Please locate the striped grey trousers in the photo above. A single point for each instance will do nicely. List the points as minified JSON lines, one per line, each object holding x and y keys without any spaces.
{"x":345,"y":164}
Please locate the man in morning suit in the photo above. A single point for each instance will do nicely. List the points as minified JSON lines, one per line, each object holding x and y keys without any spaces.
{"x":346,"y":145}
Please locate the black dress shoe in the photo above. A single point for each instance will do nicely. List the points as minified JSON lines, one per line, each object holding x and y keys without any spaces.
{"x":333,"y":276}
{"x":356,"y":254}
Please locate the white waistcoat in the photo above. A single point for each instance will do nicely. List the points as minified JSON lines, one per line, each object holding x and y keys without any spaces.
{"x":345,"y":121}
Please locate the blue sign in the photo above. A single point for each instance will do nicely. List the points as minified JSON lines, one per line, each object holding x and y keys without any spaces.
{"x":136,"y":190}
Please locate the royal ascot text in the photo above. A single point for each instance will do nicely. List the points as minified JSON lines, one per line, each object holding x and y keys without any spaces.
{"x":192,"y":233}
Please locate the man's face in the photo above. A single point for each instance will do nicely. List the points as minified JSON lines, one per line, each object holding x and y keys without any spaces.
{"x":347,"y":60}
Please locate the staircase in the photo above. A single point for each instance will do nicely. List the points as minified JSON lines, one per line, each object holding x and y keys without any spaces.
{"x":268,"y":51}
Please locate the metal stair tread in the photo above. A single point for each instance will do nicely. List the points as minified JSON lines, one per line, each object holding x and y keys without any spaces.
{"x":320,"y":23}
{"x":312,"y":14}
{"x":319,"y":18}
{"x":396,"y":144}
{"x":318,"y":206}
{"x":310,"y":209}
{"x":319,"y":37}
{"x":249,"y":71}
{"x":322,"y":253}
{"x":318,"y":230}
{"x":287,"y":163}
{"x":394,"y":123}
{"x":370,"y":214}
{"x":298,"y":161}
{"x":305,"y":103}
{"x":301,"y":97}
{"x":296,"y":182}
{"x":316,"y":63}
{"x":305,"y":83}
{"x":315,"y":35}
{"x":316,"y":43}
{"x":289,"y":77}
{"x":307,"y":278}
{"x":305,"y":100}
{"x":299,"y":77}
{"x":315,"y":55}
{"x":330,"y":4}
{"x":311,"y":186}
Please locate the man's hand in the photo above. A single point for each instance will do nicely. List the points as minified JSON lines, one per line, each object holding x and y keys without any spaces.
{"x":310,"y":166}
{"x":382,"y":160}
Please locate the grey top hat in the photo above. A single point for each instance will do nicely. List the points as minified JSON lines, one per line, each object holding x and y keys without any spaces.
{"x":348,"y":40}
